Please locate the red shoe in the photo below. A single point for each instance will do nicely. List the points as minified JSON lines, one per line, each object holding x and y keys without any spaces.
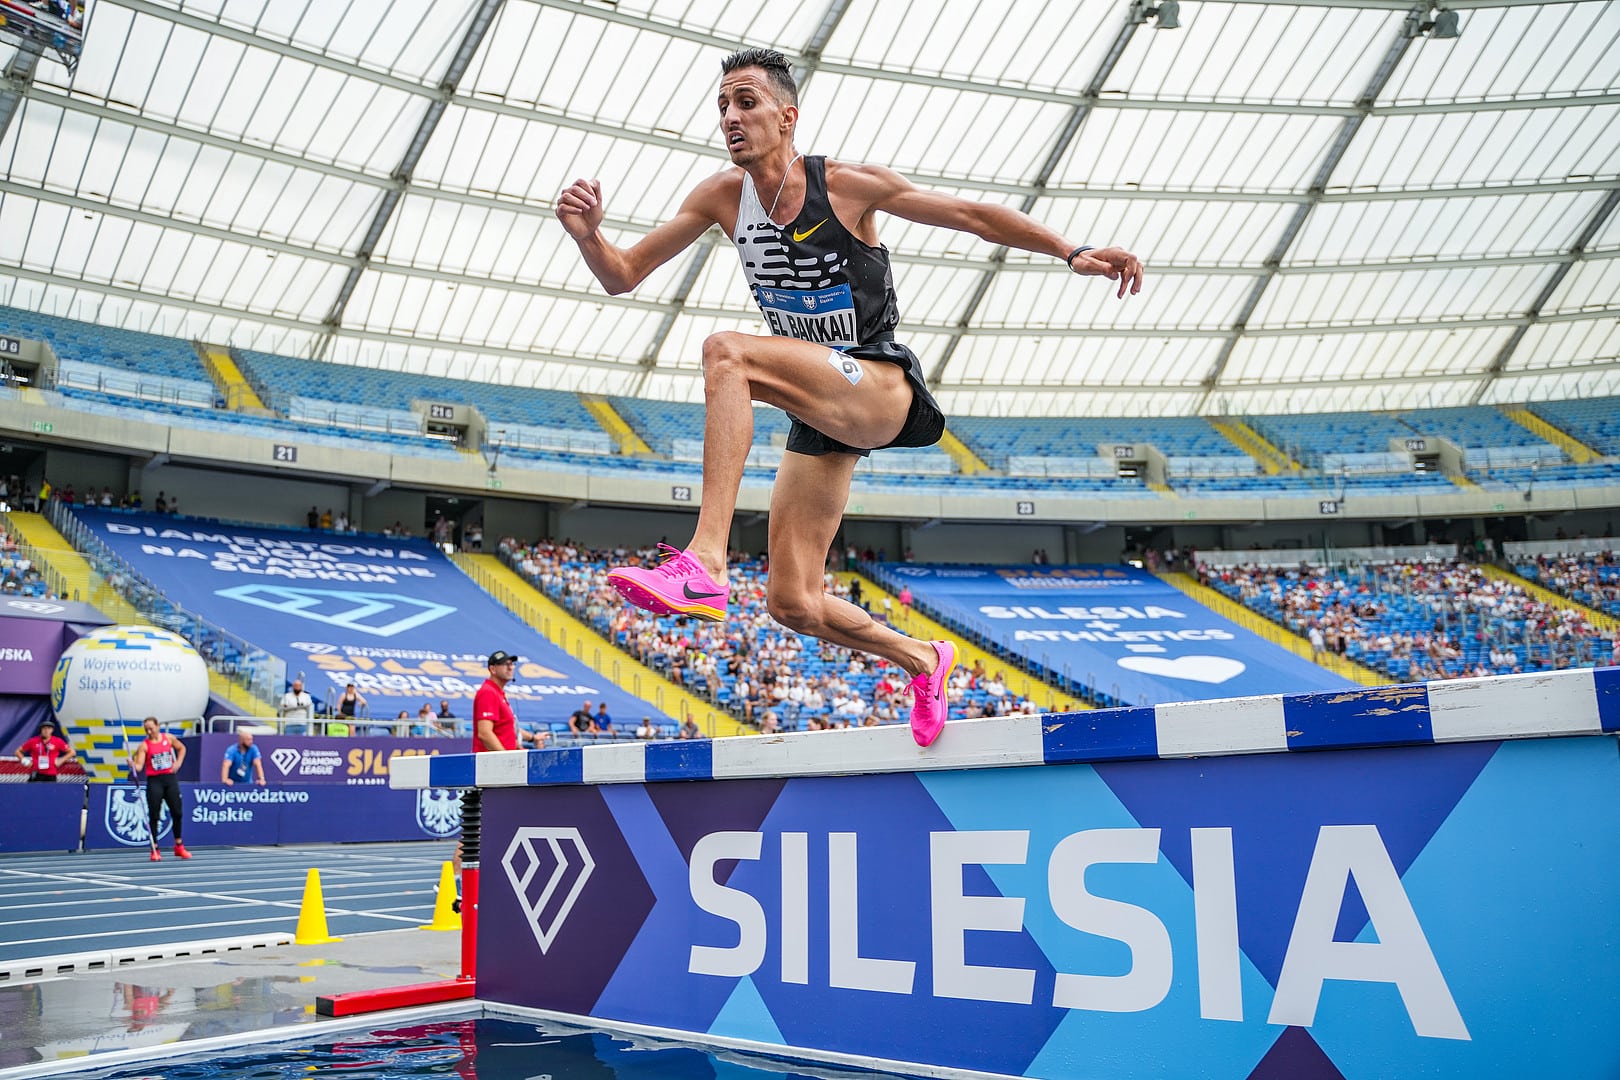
{"x":677,"y":586}
{"x":155,"y":856}
{"x":180,"y":851}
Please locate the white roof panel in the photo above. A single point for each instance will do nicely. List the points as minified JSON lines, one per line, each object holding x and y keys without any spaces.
{"x":1591,"y":285}
{"x":1346,"y":299}
{"x":1436,"y":150}
{"x":1090,"y":305}
{"x":1302,"y":359}
{"x":219,"y":166}
{"x":1197,"y":151}
{"x":1483,"y":226}
{"x":1514,"y":51}
{"x":1296,"y":55}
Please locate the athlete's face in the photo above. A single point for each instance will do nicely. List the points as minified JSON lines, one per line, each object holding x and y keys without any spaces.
{"x":753,"y":120}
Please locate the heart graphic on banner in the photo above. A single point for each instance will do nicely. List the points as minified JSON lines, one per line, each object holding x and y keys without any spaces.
{"x":1204,"y":669}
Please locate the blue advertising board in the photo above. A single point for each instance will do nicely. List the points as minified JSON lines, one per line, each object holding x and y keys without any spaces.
{"x":1444,"y":910}
{"x":40,"y":817}
{"x":274,"y":814}
{"x":1117,"y":629}
{"x":393,"y":616}
{"x":356,"y":760}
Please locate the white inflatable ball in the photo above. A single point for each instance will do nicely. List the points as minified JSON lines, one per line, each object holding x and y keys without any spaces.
{"x":129,"y":673}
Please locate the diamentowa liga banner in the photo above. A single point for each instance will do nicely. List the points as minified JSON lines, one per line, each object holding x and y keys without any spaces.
{"x":1116,"y":628}
{"x":393,"y":616}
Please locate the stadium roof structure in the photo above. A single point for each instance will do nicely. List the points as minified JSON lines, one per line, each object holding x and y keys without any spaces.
{"x":1340,"y":206}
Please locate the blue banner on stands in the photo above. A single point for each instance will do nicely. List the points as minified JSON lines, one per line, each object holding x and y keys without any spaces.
{"x":275,"y":814}
{"x":393,"y":616}
{"x":40,"y":817}
{"x":1117,"y":629}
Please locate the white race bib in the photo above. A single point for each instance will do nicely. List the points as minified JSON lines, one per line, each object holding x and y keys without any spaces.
{"x":824,"y":316}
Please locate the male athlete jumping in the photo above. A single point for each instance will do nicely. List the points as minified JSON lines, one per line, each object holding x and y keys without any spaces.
{"x":806,"y":231}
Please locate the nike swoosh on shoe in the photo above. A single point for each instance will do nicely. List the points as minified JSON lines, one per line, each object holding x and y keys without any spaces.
{"x":691,"y":595}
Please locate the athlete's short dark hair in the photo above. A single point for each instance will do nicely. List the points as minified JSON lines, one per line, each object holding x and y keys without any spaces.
{"x":778,"y":72}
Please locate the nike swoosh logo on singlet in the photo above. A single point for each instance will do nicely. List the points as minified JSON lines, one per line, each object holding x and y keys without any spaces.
{"x":801,"y":237}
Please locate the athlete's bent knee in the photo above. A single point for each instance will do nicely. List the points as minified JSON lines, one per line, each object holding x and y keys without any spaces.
{"x":723,"y":350}
{"x":796,"y":611}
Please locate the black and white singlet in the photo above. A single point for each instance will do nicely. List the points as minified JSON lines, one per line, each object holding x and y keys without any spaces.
{"x":813,"y":279}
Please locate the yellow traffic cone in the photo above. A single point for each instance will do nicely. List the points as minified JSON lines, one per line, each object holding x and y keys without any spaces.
{"x":312,"y":914}
{"x":444,"y":915}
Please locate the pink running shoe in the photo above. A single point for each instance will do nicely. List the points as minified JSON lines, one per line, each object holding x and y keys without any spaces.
{"x":929,"y":706}
{"x":677,"y":586}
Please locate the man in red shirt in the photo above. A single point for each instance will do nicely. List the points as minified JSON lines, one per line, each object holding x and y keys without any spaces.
{"x":494,"y":728}
{"x":494,"y":723}
{"x":45,"y":753}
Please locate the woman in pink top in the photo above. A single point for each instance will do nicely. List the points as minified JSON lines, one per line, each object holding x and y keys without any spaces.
{"x":161,"y":756}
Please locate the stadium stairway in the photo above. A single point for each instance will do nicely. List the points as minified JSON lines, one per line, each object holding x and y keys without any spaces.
{"x":967,"y":462}
{"x":625,"y":439}
{"x":1578,"y":452}
{"x":1275,"y":633}
{"x":1607,"y":623}
{"x":910,"y":621}
{"x":1256,"y":445}
{"x":71,"y":577}
{"x":592,"y":649}
{"x":231,"y":384}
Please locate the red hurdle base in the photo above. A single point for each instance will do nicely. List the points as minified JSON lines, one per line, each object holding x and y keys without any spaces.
{"x":394,"y":997}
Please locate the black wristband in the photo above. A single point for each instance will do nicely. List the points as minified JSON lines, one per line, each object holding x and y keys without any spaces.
{"x":1070,"y":260}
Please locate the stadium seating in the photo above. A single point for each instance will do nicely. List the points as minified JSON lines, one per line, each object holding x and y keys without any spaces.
{"x":1473,"y":428}
{"x":662,"y":424}
{"x":1308,"y":438}
{"x":144,"y":376}
{"x":283,"y":377}
{"x":1594,"y":421}
{"x":998,"y":439}
{"x":106,"y":346}
{"x":751,"y":649}
{"x":1526,"y":478}
{"x":1318,"y":486}
{"x":1418,"y":621}
{"x":18,"y":575}
{"x":1593,"y":580}
{"x":223,"y":420}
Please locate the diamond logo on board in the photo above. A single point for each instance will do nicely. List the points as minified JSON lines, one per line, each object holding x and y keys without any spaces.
{"x":380,"y":614}
{"x":284,"y":758}
{"x":538,"y":862}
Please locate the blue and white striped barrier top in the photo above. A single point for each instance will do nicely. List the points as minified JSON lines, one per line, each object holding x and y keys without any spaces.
{"x":1573,"y":702}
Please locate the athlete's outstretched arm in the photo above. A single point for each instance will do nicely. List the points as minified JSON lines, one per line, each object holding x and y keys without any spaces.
{"x":580,"y":207}
{"x":892,"y":193}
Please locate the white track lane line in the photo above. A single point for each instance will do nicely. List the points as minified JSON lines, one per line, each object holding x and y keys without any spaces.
{"x":200,"y":926}
{"x":173,"y":892}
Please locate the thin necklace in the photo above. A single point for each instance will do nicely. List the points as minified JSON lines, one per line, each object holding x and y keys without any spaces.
{"x":771,"y":213}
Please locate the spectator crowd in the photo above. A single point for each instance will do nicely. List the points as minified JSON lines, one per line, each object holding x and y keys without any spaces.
{"x":769,"y":677}
{"x":1419,"y":621}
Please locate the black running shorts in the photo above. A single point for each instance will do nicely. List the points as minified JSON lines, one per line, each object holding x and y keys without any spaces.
{"x":925,"y":422}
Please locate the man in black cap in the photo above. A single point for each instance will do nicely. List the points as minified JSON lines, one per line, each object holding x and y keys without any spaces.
{"x":494,"y":728}
{"x":494,"y":723}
